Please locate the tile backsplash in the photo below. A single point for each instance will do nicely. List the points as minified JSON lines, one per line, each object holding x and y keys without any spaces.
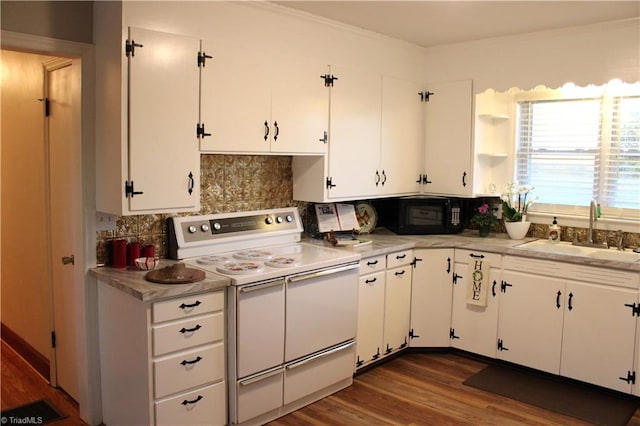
{"x":231,"y":183}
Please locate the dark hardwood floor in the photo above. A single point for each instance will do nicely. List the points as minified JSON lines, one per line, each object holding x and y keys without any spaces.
{"x":413,"y":389}
{"x":21,"y":384}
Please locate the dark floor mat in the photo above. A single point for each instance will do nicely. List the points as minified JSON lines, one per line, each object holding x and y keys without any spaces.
{"x":37,"y":412}
{"x":584,"y":402}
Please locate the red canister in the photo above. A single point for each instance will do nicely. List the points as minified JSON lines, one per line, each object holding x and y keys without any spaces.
{"x":133,"y":252}
{"x":118,"y":253}
{"x":148,"y":251}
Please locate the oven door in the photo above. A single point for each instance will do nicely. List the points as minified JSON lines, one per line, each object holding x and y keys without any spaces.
{"x":321,"y":310}
{"x":259,"y":327}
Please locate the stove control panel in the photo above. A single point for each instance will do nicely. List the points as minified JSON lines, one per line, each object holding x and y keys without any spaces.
{"x":221,"y":228}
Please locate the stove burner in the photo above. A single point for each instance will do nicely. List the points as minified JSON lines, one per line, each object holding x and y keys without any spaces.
{"x":212,"y":260}
{"x":256,"y":255}
{"x":282,"y":262}
{"x":238,"y":268}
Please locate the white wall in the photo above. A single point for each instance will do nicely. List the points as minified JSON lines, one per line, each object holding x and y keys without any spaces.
{"x":26,"y":305}
{"x":591,"y":54}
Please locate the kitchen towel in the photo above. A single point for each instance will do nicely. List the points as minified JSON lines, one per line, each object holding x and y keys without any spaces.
{"x":478,"y":283}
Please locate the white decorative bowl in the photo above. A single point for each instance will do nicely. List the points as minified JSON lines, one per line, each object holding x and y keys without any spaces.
{"x":147,"y":263}
{"x":517,"y":230}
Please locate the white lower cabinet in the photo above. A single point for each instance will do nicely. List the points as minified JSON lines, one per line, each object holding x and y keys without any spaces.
{"x":431,"y":297}
{"x":162,"y":363}
{"x":384,"y":300}
{"x":573,"y":320}
{"x":474,"y":328}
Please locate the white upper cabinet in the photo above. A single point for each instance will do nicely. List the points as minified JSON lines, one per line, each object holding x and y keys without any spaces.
{"x":252,"y":102}
{"x":147,"y":88}
{"x":448,"y":139}
{"x":164,"y":167}
{"x":375,"y":140}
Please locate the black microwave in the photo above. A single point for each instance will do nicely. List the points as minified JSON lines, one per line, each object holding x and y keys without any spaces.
{"x":421,"y":215}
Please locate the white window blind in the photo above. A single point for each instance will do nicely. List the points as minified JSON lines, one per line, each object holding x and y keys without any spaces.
{"x":576,"y":150}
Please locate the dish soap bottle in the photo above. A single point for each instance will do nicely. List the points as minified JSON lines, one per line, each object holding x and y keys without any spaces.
{"x":554,"y":230}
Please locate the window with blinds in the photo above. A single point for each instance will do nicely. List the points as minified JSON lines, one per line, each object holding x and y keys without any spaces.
{"x":579,"y":149}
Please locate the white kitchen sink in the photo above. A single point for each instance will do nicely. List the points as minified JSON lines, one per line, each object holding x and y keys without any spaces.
{"x":565,"y":247}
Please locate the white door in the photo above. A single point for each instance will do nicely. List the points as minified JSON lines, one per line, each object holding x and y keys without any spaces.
{"x":64,"y":216}
{"x":448,"y":138}
{"x":397,"y":305}
{"x":370,"y":317}
{"x":530,"y":320}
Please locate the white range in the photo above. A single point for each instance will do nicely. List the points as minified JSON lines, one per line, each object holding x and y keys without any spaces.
{"x":292,"y":308}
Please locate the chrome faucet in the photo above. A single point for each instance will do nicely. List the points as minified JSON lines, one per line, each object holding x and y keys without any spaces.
{"x":593,"y":216}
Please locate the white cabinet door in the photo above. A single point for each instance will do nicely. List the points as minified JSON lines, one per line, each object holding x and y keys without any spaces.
{"x":599,"y":333}
{"x":370,"y":317}
{"x":475,"y":328}
{"x":402,"y":137}
{"x":448,"y":138}
{"x":431,"y":297}
{"x":397,"y":307}
{"x":530,"y":324}
{"x":300,"y":107}
{"x":354,"y":135}
{"x":236,"y":99}
{"x":164,"y":162}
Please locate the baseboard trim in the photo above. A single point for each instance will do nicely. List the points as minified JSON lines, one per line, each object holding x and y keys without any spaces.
{"x":38,"y":361}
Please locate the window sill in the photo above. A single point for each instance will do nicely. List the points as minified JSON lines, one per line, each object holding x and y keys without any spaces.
{"x":603,"y":223}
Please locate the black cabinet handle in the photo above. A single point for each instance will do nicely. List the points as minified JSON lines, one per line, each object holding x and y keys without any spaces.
{"x":377,"y":178}
{"x":191,"y":184}
{"x":464,"y":178}
{"x":448,"y":265}
{"x":195,"y":361}
{"x":266,"y":130}
{"x":275,"y":124}
{"x":191,"y":305}
{"x":477,"y":256}
{"x":558,"y":299}
{"x":372,"y":280}
{"x":372,"y":262}
{"x":569,"y":304}
{"x":384,"y":178}
{"x":493,"y":288}
{"x":190,"y":330}
{"x":401,"y":256}
{"x":193,"y":401}
{"x":399,"y":273}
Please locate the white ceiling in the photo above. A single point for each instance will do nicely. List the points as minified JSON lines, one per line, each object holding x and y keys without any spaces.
{"x":430,"y":23}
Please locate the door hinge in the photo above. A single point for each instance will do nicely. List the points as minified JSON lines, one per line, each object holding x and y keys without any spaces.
{"x":504,"y":285}
{"x":377,"y":354}
{"x":129,"y":191}
{"x":452,"y":334}
{"x":47,"y":106}
{"x":328,"y":79}
{"x":415,"y":261}
{"x":424,"y":96}
{"x":200,"y":133}
{"x":455,"y":278}
{"x":404,"y":345}
{"x":422,"y":179}
{"x":388,"y":350}
{"x":202,"y":58}
{"x":324,"y":138}
{"x":635,"y":310}
{"x":501,"y":346}
{"x":359,"y":362}
{"x":330,"y":183}
{"x":130,"y":48}
{"x":53,"y":339}
{"x":631,"y":377}
{"x":412,"y":334}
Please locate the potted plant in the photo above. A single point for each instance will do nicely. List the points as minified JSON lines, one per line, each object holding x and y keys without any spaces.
{"x":516,"y":201}
{"x":484,"y":219}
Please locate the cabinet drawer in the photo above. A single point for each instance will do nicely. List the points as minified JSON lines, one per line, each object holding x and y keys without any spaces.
{"x":184,"y":334}
{"x":399,"y":258}
{"x":187,"y":306}
{"x":204,"y":406}
{"x":259,"y":394}
{"x":188,"y":370}
{"x":373,"y":264}
{"x":465,"y":256}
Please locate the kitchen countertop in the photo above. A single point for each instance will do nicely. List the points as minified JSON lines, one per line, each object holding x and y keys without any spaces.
{"x":384,"y":241}
{"x":132,"y":282}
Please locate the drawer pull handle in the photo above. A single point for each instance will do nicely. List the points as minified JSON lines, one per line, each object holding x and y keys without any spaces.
{"x":371,"y":281}
{"x":398,"y":273}
{"x":399,"y":257}
{"x":191,"y":305}
{"x":190,"y":330}
{"x":193,"y":401}
{"x":372,"y":263}
{"x":185,"y":362}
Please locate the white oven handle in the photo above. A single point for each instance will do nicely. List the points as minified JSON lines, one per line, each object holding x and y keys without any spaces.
{"x":260,"y":376}
{"x":303,"y":277}
{"x":261,"y":286}
{"x":324,"y":354}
